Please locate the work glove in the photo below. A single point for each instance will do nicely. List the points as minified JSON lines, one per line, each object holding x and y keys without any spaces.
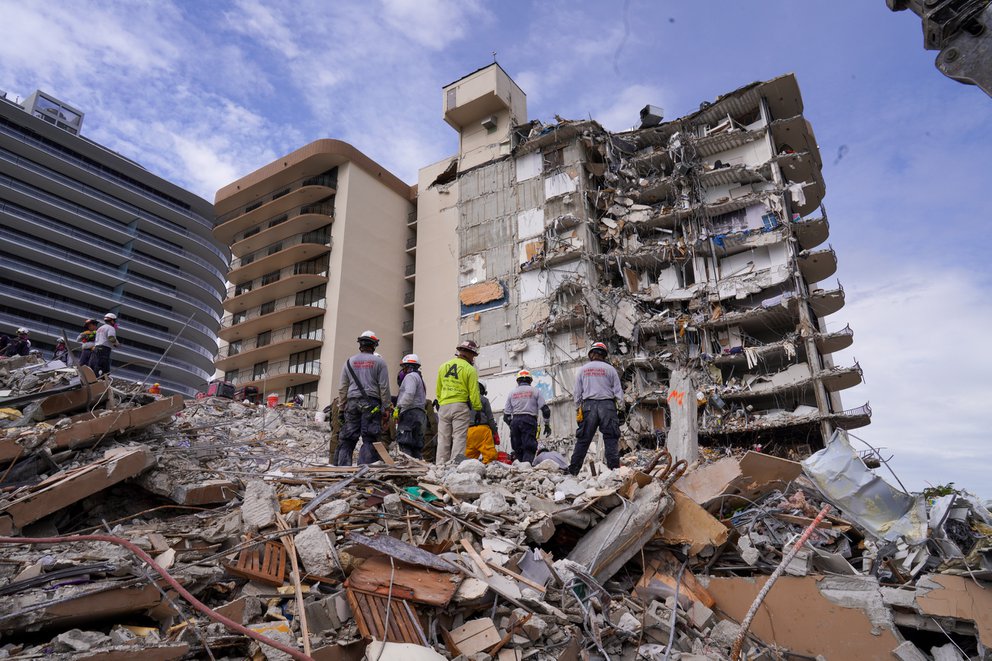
{"x":547,"y":429}
{"x":396,"y":414}
{"x":621,"y":413}
{"x":436,"y":405}
{"x":578,"y":414}
{"x":507,"y":418}
{"x":496,"y":438}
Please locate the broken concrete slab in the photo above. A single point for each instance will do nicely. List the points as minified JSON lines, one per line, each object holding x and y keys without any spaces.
{"x":87,"y":428}
{"x":618,"y":537}
{"x":258,"y":510}
{"x":315,"y":551}
{"x":957,"y":597}
{"x":71,"y":486}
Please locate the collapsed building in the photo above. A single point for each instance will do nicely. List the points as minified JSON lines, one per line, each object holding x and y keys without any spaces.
{"x":695,"y":248}
{"x":152,"y":527}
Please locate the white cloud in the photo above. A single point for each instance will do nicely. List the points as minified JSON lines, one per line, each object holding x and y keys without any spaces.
{"x":433,"y":24}
{"x":261,"y":22}
{"x":921,"y":334}
{"x":623,"y":109}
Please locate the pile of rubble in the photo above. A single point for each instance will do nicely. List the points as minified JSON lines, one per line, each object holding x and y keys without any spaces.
{"x":141,"y":527}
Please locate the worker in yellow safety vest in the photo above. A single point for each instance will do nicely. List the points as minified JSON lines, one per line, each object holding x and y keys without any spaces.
{"x":459,"y":402}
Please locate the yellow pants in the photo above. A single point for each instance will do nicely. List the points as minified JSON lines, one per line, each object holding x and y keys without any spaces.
{"x":480,"y":442}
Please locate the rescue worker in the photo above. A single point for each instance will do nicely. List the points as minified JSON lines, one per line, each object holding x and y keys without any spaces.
{"x":598,"y":396}
{"x":103,"y":343}
{"x":20,"y":345}
{"x":458,"y":401}
{"x":520,"y":413}
{"x":482,"y":435}
{"x":365,"y":391}
{"x":61,"y":351}
{"x":409,"y":412}
{"x":87,"y":340}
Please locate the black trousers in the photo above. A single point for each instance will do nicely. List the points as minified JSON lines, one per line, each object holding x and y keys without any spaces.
{"x":597,"y":414}
{"x":360,"y":422}
{"x":523,"y":437}
{"x":410,"y":432}
{"x":100,"y":360}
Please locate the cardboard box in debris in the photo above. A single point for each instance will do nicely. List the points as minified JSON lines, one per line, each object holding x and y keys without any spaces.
{"x":156,"y":528}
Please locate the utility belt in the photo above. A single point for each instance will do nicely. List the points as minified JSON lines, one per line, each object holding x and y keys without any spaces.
{"x":103,"y":347}
{"x":521,"y":415}
{"x":366,"y":405}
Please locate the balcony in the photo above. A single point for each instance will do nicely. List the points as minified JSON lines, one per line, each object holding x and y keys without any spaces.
{"x":307,"y":218}
{"x":852,"y":418}
{"x":290,"y":281}
{"x":285,"y":312}
{"x":411,"y":245}
{"x":828,"y":343}
{"x":121,"y":205}
{"x":276,"y":377}
{"x":308,"y":192}
{"x":826,"y":302}
{"x":812,"y":232}
{"x":408,"y":328}
{"x":817,"y":264}
{"x":411,"y":218}
{"x":411,"y":271}
{"x":292,"y":251}
{"x":281,"y":342}
{"x":408,"y":299}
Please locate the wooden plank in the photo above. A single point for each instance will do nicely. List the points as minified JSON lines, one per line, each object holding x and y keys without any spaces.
{"x":517,"y":577}
{"x":369,"y":611}
{"x":301,"y":612}
{"x":384,"y":453}
{"x":408,"y":582}
{"x":400,"y":550}
{"x":472,"y":553}
{"x":265,"y":563}
{"x":800,"y":520}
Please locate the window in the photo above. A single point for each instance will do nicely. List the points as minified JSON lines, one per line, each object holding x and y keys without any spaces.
{"x":278,"y":220}
{"x":247,"y":259}
{"x":242,"y":288}
{"x":267,"y":308}
{"x":450,"y":99}
{"x":231,"y":375}
{"x":263,"y":338}
{"x":269,"y":278}
{"x":770,"y":221}
{"x":274,"y":248}
{"x":234,"y":348}
{"x":252,"y":232}
{"x":309,"y":392}
{"x":305,"y":362}
{"x":253,"y":206}
{"x":554,"y":159}
{"x":316,"y":266}
{"x":276,"y":196}
{"x":239,"y":317}
{"x":259,"y":369}
{"x":309,"y":329}
{"x":313,"y":296}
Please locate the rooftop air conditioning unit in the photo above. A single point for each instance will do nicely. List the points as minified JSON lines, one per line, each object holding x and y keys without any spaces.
{"x":651,"y":116}
{"x":489,"y":123}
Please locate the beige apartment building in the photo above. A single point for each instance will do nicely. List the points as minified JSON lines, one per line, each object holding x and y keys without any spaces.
{"x":320,"y":240}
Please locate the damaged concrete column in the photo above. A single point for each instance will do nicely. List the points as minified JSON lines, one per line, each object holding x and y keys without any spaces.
{"x":683,"y":439}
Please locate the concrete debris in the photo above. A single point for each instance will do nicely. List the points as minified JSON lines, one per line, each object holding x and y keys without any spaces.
{"x":465,"y":560}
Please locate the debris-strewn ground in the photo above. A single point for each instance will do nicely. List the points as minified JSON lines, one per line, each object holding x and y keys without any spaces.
{"x":256,"y":541}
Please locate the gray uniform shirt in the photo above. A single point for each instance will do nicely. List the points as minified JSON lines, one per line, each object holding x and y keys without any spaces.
{"x":597,"y":380}
{"x":372,"y":373}
{"x":487,"y":412}
{"x":413,"y":392}
{"x":524,"y":399}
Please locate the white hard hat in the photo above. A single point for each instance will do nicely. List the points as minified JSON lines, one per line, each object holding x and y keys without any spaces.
{"x":22,"y":331}
{"x":369,"y":336}
{"x":410,"y":359}
{"x":110,"y":315}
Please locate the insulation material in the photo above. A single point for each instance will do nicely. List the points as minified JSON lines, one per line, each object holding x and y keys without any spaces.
{"x":559,"y":184}
{"x":528,"y":166}
{"x":484,"y":292}
{"x":530,"y":223}
{"x":471,"y":270}
{"x":683,"y":439}
{"x":530,"y":250}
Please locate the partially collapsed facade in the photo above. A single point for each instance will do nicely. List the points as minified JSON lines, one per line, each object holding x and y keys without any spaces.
{"x":695,"y":248}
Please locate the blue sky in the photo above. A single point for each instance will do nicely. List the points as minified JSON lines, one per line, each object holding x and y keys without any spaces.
{"x":205,"y":92}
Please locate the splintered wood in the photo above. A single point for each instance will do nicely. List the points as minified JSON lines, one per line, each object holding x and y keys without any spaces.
{"x":380,"y":618}
{"x":265,"y":563}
